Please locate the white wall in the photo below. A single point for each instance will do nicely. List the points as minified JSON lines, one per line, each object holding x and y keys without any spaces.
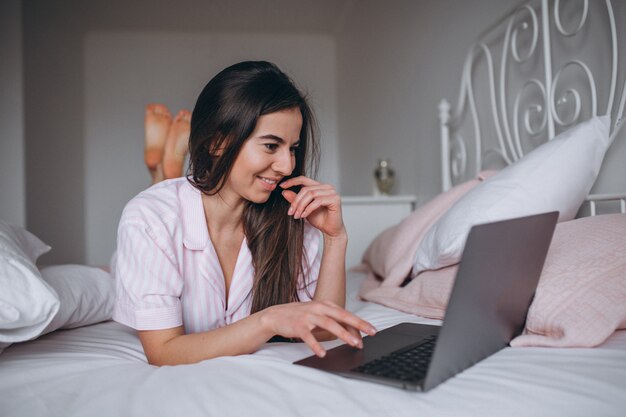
{"x":397,"y":61}
{"x":53,"y":127}
{"x":12,"y":183}
{"x":376,"y":72}
{"x":126,"y":70}
{"x":58,"y":96}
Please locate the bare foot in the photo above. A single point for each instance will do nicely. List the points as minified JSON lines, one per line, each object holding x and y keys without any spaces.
{"x":177,"y":145}
{"x":157,"y":174}
{"x":156,"y":123}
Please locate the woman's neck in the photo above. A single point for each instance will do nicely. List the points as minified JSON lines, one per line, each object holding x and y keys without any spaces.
{"x":223,"y":214}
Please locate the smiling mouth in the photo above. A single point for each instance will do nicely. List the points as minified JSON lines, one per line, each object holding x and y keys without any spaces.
{"x":268,"y":184}
{"x":268,"y":180}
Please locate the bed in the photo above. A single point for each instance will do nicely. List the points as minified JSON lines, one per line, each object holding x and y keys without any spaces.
{"x":80,"y":363}
{"x":100,"y":370}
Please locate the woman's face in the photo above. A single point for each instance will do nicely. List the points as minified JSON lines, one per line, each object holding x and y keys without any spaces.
{"x":265,"y":157}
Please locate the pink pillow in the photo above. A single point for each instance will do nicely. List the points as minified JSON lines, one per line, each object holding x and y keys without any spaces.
{"x":581,"y":296}
{"x":426,"y":295}
{"x":390,"y":256}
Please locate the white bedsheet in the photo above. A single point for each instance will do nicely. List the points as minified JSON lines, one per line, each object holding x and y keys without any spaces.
{"x":101,"y":370}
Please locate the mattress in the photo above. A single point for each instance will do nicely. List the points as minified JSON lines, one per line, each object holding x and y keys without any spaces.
{"x":100,"y":370}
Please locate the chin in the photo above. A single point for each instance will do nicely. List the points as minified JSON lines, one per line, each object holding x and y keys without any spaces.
{"x":259,"y":198}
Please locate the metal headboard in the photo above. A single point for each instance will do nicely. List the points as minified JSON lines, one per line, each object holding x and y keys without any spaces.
{"x":521,"y":49}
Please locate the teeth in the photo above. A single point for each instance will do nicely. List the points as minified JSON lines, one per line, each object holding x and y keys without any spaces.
{"x":268,"y":180}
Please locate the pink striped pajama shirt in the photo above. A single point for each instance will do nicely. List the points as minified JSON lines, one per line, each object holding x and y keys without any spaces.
{"x":167,"y":270}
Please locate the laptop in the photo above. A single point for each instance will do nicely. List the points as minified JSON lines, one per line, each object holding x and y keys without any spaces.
{"x":493,"y":289}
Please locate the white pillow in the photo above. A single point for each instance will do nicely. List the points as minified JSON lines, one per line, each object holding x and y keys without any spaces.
{"x":15,"y":240}
{"x":27,"y":303}
{"x":87,"y":295}
{"x":557,"y":175}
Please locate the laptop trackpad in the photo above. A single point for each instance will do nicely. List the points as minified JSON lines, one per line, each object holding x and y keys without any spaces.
{"x":345,"y":357}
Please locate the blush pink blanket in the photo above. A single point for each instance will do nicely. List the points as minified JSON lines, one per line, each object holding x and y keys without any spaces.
{"x":580,"y":300}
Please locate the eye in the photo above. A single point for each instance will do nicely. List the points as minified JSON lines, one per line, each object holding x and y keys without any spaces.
{"x":271,"y":146}
{"x":293,"y":149}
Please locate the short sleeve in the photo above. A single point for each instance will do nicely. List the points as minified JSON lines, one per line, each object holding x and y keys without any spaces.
{"x":313,"y":260}
{"x":148,"y":282}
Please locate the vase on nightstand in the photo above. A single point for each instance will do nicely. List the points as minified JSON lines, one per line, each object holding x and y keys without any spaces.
{"x":384,"y":176}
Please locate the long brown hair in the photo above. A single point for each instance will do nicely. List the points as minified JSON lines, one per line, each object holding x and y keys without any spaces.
{"x":224,"y":117}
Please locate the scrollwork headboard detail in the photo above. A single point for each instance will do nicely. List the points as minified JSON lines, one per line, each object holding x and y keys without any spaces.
{"x":544,"y":67}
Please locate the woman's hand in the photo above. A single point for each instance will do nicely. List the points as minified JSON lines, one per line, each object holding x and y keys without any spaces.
{"x":319,"y":203}
{"x":300,"y":319}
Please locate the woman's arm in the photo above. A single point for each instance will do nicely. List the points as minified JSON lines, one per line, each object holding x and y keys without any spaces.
{"x":295,"y":320}
{"x":174,"y":347}
{"x":331,"y":283}
{"x":320,"y":204}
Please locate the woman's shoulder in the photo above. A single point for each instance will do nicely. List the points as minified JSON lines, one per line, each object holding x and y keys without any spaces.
{"x":160,"y":203}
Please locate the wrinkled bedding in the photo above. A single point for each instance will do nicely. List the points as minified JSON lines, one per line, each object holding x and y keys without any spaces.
{"x":101,"y":370}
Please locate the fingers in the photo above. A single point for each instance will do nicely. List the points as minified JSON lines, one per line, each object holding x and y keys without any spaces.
{"x":341,"y":316}
{"x":289,"y":195}
{"x":324,"y":194}
{"x":301,"y":180}
{"x":315,"y":346}
{"x":344,"y":316}
{"x":305,"y":320}
{"x":312,"y":207}
{"x":335,"y":328}
{"x":311,"y":196}
{"x":354,"y":332}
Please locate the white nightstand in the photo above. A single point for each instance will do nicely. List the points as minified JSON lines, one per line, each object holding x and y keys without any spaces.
{"x":366,"y":216}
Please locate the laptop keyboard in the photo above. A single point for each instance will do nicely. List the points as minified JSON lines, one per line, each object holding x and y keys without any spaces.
{"x":406,"y":364}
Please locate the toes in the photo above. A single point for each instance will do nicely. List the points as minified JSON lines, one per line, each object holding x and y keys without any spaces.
{"x":158,"y":109}
{"x":150,"y":108}
{"x":183,"y":116}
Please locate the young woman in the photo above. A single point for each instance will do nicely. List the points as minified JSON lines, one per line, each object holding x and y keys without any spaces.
{"x":220,"y":261}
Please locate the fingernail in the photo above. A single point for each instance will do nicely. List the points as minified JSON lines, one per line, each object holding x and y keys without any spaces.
{"x":355,"y":341}
{"x":290,"y":212}
{"x":322,"y":354}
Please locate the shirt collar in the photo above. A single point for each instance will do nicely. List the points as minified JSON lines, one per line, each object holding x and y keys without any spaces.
{"x":195,"y":231}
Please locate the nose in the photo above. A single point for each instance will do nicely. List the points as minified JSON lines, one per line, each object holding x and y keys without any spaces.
{"x":284,"y":162}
